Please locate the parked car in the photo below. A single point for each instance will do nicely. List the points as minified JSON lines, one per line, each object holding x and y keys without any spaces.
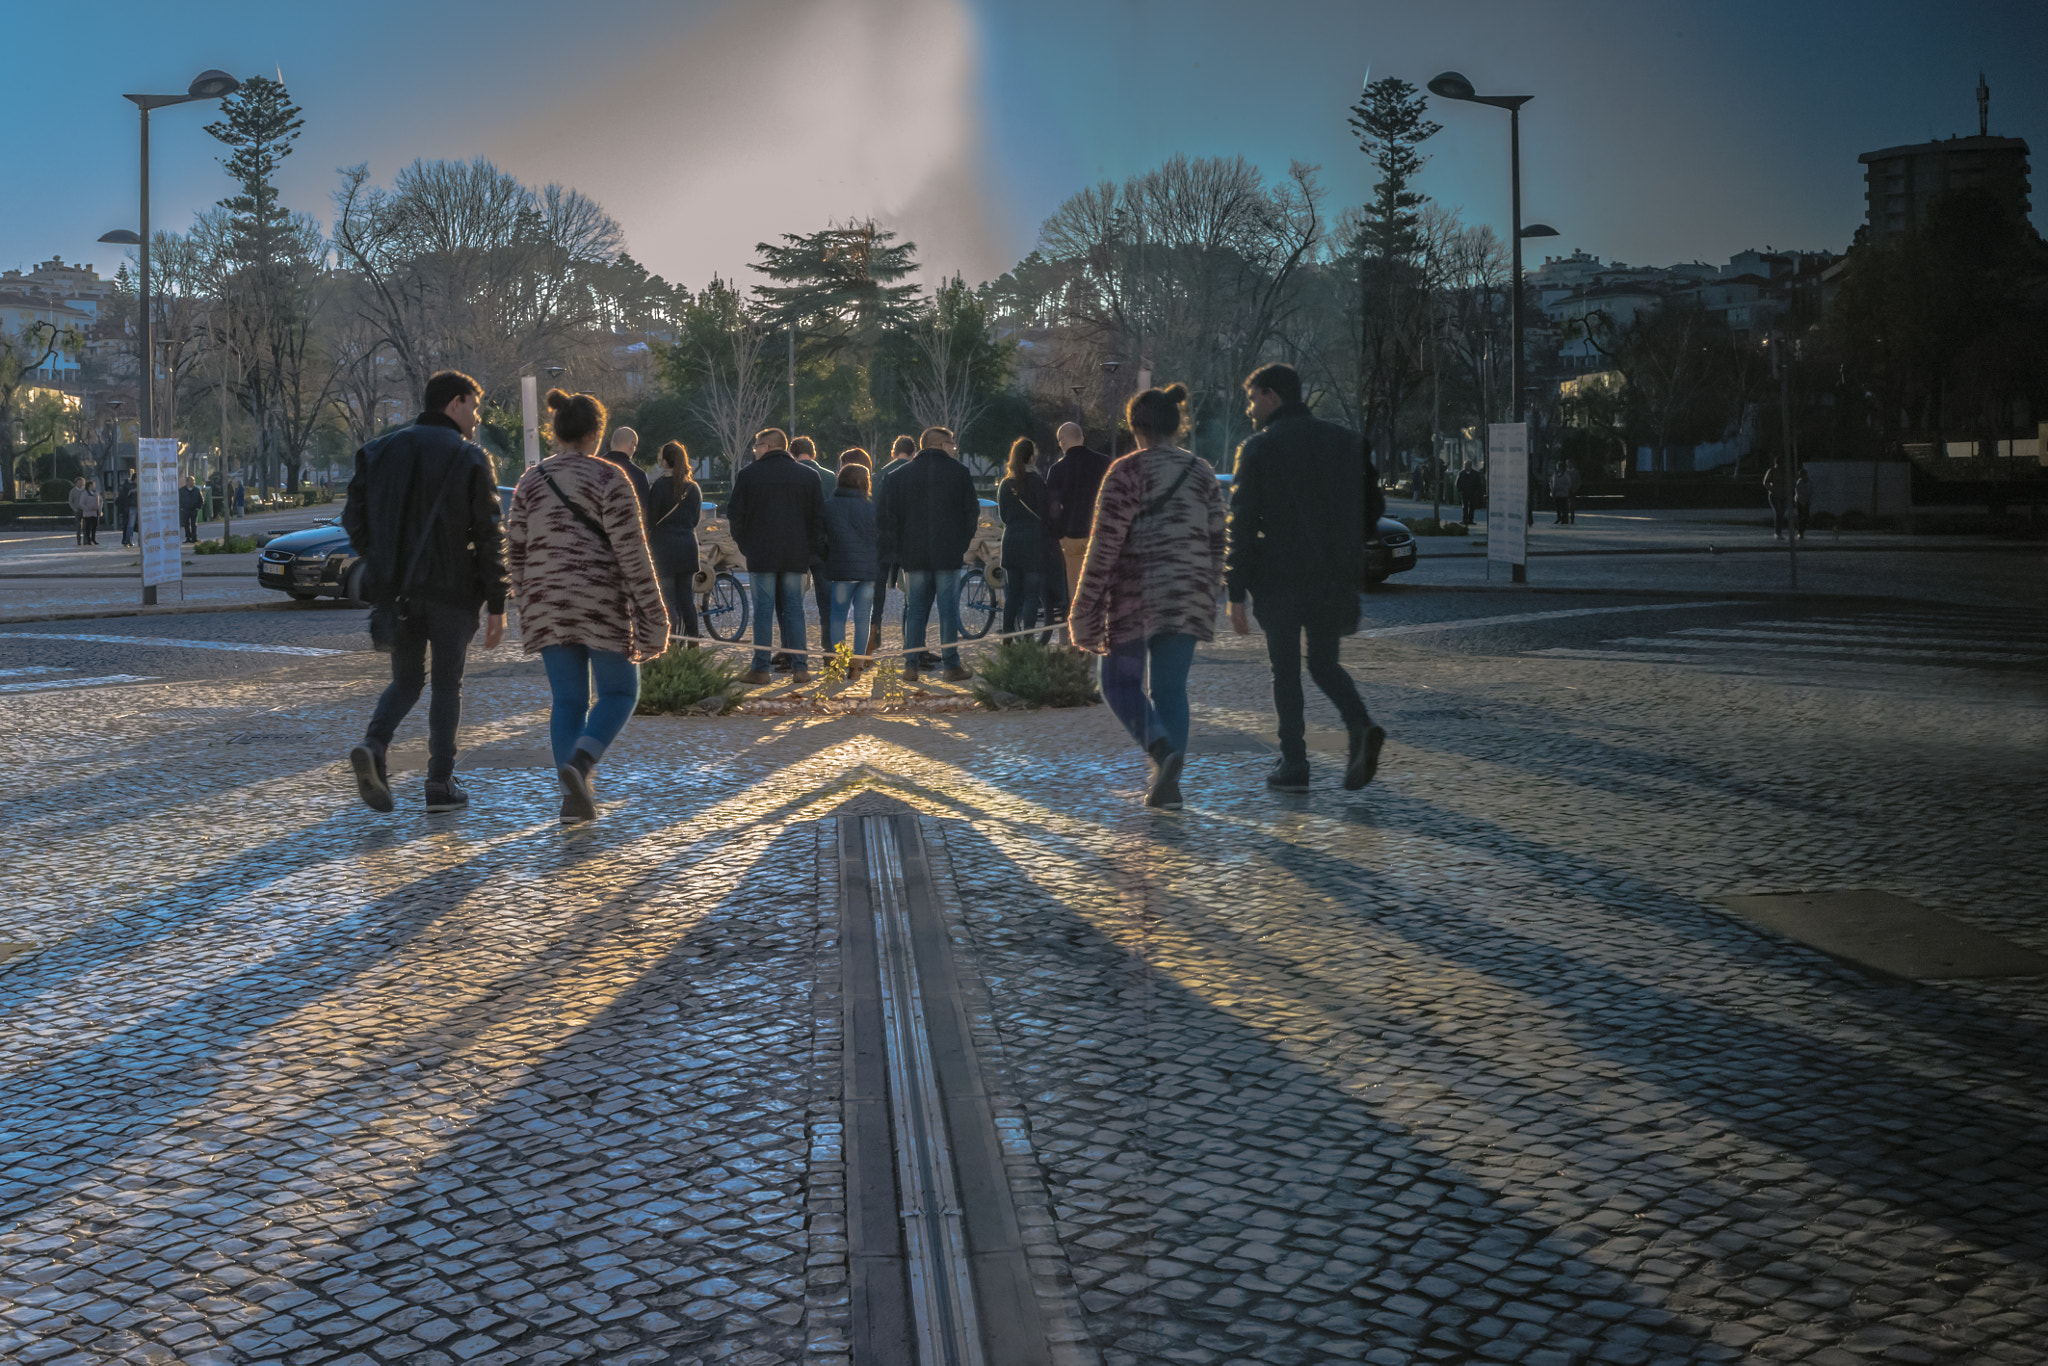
{"x":1392,"y":551}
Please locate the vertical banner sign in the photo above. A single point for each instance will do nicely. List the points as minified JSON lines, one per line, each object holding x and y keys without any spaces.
{"x":1507,"y":493}
{"x":529,"y":398}
{"x":156,"y":461}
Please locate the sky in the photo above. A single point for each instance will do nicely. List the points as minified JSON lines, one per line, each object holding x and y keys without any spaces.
{"x":1658,"y":131}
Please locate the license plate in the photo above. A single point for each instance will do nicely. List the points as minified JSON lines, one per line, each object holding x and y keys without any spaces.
{"x":1407,"y":553}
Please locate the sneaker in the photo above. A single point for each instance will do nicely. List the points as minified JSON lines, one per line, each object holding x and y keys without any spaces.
{"x":1364,"y":758}
{"x":1165,"y":789}
{"x":1289,"y":775}
{"x":957,"y":674}
{"x":373,"y":784}
{"x":579,"y":803}
{"x":443,"y":797}
{"x":757,"y":678}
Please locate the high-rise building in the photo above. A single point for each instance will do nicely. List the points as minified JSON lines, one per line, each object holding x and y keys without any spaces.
{"x":1902,"y":183}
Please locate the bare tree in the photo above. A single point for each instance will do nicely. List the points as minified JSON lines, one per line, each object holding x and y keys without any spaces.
{"x":721,"y":352}
{"x":962,"y":367}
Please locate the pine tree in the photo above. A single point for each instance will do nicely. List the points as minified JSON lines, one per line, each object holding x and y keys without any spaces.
{"x":1388,"y":121}
{"x":261,"y":125}
{"x":838,"y":286}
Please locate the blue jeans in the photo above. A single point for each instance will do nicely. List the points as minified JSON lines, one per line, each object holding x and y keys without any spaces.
{"x":1164,"y":714}
{"x":920,"y":587}
{"x":857,"y":595}
{"x":576,"y":724}
{"x":778,"y":596}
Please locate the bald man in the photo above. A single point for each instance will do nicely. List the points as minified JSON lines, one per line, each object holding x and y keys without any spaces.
{"x":623,"y":443}
{"x":1073,"y":482}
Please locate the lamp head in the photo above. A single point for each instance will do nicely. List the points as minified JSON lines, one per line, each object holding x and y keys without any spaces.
{"x":1451,"y":85}
{"x":1538,"y":230}
{"x":212,"y":84}
{"x":123,"y":237}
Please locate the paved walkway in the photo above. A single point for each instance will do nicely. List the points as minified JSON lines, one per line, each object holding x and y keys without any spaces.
{"x":1469,"y":1066}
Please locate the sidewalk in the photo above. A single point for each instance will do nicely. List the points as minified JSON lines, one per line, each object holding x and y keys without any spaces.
{"x":1470,"y":1066}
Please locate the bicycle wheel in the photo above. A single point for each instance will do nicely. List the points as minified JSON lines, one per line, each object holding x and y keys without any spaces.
{"x":978,"y":605}
{"x":725,"y":610}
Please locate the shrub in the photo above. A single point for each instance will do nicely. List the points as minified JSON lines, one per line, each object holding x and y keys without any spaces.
{"x":237,"y":545}
{"x":682,"y":678}
{"x":1036,"y":675}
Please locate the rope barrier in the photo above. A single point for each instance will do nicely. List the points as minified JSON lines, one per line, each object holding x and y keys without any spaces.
{"x":712,"y":643}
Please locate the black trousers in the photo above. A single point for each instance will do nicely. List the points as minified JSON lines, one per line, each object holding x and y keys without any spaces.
{"x":191,"y":521}
{"x":445,"y":630}
{"x":681,"y":596}
{"x":1324,"y":619}
{"x":881,"y":597}
{"x":1471,"y":513}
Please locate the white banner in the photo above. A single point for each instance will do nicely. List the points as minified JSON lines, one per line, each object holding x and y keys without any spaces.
{"x":1507,"y":492}
{"x":156,"y":477}
{"x":529,"y":398}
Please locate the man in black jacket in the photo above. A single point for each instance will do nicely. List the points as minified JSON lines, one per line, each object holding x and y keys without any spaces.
{"x":925,"y":518}
{"x":1301,"y":500}
{"x":777,"y":518}
{"x":423,"y":515}
{"x":1071,"y":488}
{"x":190,"y":501}
{"x":1471,"y":492}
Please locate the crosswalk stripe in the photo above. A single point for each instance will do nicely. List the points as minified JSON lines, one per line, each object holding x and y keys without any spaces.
{"x":1740,"y":633}
{"x":32,"y":669}
{"x":237,"y":646}
{"x":45,"y":684}
{"x":1864,"y":651}
{"x":1625,"y":656}
{"x":1423,"y":627}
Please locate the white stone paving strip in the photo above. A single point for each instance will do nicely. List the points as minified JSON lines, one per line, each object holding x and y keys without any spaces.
{"x":44,"y":684}
{"x":1419,"y":628}
{"x":32,"y":669}
{"x":233,"y":645}
{"x":1918,"y":640}
{"x":1795,"y":648}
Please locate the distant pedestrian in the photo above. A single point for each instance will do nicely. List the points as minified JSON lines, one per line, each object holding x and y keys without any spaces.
{"x":190,"y":501}
{"x":619,"y":451}
{"x":1021,"y":504}
{"x":1775,"y":489}
{"x":1148,"y":586}
{"x":589,"y":605}
{"x":423,"y":516}
{"x":1802,"y":502}
{"x":1071,"y":488}
{"x":777,"y":517}
{"x":1471,"y":492}
{"x":77,"y":498}
{"x":805,"y":452}
{"x":1301,"y":505}
{"x":852,"y":560}
{"x":928,"y":513}
{"x":124,"y":509}
{"x":1571,"y":468}
{"x":675,"y":505}
{"x":1561,"y":494}
{"x":89,"y":509}
{"x":242,"y":498}
{"x":902,"y":450}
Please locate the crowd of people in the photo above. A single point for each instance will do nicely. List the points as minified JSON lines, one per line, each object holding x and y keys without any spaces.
{"x":1131,"y":555}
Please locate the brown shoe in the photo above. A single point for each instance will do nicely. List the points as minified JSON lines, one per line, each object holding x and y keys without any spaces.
{"x":799,"y":676}
{"x":957,"y":674}
{"x":911,"y":675}
{"x":757,"y":678}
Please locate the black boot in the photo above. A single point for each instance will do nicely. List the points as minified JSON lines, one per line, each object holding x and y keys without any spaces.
{"x":445,"y":795}
{"x":579,"y":802}
{"x":373,"y":783}
{"x":1164,"y":790}
{"x":1363,"y":758}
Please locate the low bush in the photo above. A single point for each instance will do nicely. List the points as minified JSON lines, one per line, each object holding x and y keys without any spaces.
{"x":237,"y":545}
{"x":1430,"y":526}
{"x":1036,"y":675}
{"x":682,"y":679}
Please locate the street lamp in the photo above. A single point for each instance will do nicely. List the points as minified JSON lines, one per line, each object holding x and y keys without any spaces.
{"x":207,"y":85}
{"x":1453,"y":86}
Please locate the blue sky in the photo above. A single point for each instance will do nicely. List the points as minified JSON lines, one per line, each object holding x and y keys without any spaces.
{"x":1659,"y":131}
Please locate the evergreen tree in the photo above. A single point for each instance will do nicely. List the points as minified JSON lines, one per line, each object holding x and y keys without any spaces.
{"x":839,"y":286}
{"x":261,"y":125}
{"x":1388,"y":121}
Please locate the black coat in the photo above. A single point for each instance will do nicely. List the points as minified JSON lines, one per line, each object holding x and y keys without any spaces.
{"x":396,"y":481}
{"x":634,"y":475}
{"x":1471,"y":486}
{"x":1021,"y":503}
{"x":851,"y":549}
{"x":190,"y":501}
{"x":1071,"y":488}
{"x":1300,"y":506}
{"x":777,"y":515}
{"x":672,"y":518}
{"x":928,"y":512}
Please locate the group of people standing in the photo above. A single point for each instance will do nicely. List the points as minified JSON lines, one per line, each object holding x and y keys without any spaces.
{"x":600,"y":562}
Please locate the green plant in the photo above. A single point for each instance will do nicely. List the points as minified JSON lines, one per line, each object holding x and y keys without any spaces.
{"x":1036,"y":675}
{"x":840,"y":664}
{"x":682,"y":679}
{"x":237,"y":545}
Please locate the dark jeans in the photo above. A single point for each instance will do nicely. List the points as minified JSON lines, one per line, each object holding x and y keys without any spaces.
{"x":447,"y":630}
{"x":1023,"y":594}
{"x":778,"y":598}
{"x":921,"y":589}
{"x":92,"y":531}
{"x":1163,"y":715}
{"x":681,"y":598}
{"x":881,"y":601}
{"x":1325,"y":619}
{"x":821,"y":589}
{"x":191,"y":521}
{"x":1471,"y":513}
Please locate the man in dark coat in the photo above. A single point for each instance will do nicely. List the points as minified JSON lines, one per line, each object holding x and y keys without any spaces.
{"x":1072,"y":485}
{"x":1302,"y":500}
{"x":190,"y":500}
{"x":1471,"y":492}
{"x":926,"y":516}
{"x":777,"y":517}
{"x":619,"y":451}
{"x":423,"y":515}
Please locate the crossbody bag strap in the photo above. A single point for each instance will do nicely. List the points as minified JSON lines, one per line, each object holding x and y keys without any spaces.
{"x":590,"y":524}
{"x":419,"y":549}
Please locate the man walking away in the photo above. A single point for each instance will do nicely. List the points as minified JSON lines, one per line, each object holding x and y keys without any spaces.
{"x":777,"y":518}
{"x":1471,"y":492}
{"x":1561,"y":494}
{"x":1304,"y":495}
{"x":190,"y":501}
{"x":927,"y":515}
{"x":1071,"y":487}
{"x":124,"y":508}
{"x":423,"y":514}
{"x":624,"y":442}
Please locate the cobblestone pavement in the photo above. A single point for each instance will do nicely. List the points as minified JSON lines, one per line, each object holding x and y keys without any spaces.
{"x":1469,"y":1066}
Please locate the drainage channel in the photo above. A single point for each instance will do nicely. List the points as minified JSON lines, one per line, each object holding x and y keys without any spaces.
{"x":937,"y":1264}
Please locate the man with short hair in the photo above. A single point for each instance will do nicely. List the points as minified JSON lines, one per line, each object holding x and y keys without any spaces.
{"x":926,"y":517}
{"x":423,"y":515}
{"x":1071,"y":487}
{"x":190,"y":503}
{"x":1471,"y":491}
{"x":901,"y":450}
{"x":619,"y":451}
{"x":805,"y":451}
{"x":1301,"y":502}
{"x":777,"y":518}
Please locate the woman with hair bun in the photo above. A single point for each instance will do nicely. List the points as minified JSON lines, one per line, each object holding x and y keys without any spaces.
{"x":675,"y":504}
{"x":584,"y":582}
{"x":1147,"y":593}
{"x":1021,"y":504}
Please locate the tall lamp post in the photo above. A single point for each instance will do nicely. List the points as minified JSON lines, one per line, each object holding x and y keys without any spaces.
{"x":1453,"y":86}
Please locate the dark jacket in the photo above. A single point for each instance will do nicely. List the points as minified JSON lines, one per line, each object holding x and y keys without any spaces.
{"x":850,"y":537}
{"x":124,"y":501}
{"x":636,"y":475}
{"x":1072,"y":486}
{"x":396,"y":480}
{"x":777,"y":515}
{"x":1301,"y":503}
{"x":190,"y":500}
{"x":928,"y":512}
{"x":1471,"y":485}
{"x":672,"y":518}
{"x":1021,"y":505}
{"x":828,"y":480}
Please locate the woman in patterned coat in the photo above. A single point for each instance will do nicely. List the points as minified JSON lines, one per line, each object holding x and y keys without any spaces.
{"x":1148,"y":586}
{"x":584,"y":584}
